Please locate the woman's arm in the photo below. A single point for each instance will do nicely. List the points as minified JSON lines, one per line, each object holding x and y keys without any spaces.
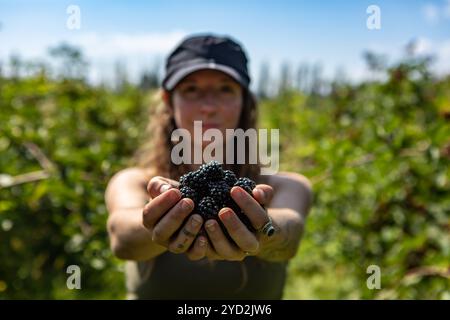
{"x":140,"y":231}
{"x":288,"y":210}
{"x":125,"y":199}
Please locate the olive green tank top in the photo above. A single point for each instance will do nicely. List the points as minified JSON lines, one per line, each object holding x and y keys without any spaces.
{"x":174,"y":276}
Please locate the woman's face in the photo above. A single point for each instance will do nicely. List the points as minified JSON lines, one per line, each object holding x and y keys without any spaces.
{"x":210,"y":96}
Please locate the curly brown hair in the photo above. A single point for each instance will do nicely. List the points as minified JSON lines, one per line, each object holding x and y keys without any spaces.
{"x":154,"y":154}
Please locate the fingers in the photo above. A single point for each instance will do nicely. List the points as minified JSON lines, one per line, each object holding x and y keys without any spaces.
{"x":186,"y":235}
{"x":253,"y":210}
{"x":211,"y":254}
{"x":171,"y":221}
{"x":198,"y":249}
{"x":158,"y":185}
{"x":263,"y":193}
{"x":221,"y":244}
{"x":245,"y":240}
{"x":156,"y":208}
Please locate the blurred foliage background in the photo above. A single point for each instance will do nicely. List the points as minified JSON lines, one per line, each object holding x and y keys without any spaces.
{"x":376,"y":152}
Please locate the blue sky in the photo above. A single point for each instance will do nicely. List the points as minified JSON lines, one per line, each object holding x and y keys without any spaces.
{"x":332,"y":33}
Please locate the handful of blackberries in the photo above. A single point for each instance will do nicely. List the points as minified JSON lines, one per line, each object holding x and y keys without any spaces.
{"x":209,"y":187}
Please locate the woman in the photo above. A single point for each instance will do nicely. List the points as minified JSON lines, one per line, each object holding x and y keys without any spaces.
{"x":151,"y":226}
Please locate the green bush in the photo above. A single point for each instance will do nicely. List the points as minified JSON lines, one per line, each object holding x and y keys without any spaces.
{"x":86,"y":135}
{"x":377,"y":154}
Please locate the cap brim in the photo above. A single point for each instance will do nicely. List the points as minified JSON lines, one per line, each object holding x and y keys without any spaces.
{"x":172,"y":81}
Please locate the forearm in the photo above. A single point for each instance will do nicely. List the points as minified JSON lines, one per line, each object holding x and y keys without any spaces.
{"x":284,"y":243}
{"x":130,"y":240}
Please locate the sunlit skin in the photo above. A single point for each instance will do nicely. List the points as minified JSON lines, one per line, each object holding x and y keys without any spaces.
{"x":209,"y":96}
{"x":216,"y":99}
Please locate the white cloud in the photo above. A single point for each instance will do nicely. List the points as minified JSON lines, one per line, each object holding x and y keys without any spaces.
{"x":444,"y":51}
{"x":434,"y":13}
{"x":440,"y":50}
{"x":99,"y":45}
{"x":431,"y":13}
{"x":95,"y":45}
{"x":442,"y":66}
{"x":423,"y":46}
{"x":136,"y":52}
{"x":447,"y":9}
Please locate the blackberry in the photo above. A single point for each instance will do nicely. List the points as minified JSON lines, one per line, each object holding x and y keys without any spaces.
{"x":229,"y":177}
{"x":213,"y":170}
{"x":230,"y":203}
{"x":220,"y":191}
{"x":188,"y":192}
{"x":208,"y":208}
{"x":246,"y":184}
{"x":186,"y":179}
{"x":195,"y":180}
{"x":209,"y":187}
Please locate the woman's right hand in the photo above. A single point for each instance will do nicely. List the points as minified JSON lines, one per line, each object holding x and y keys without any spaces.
{"x":165,"y":214}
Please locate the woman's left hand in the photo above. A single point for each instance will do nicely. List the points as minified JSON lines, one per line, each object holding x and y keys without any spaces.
{"x":246,"y":242}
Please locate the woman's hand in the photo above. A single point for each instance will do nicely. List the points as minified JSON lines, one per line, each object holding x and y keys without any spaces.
{"x":164,"y":217}
{"x":247,"y":242}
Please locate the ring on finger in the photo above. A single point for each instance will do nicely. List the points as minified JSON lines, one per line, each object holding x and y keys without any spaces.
{"x":267,"y":229}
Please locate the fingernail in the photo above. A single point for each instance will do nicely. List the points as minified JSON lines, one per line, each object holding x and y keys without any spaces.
{"x":210,"y":226}
{"x":186,"y":205}
{"x":164,"y":188}
{"x":225,"y":214}
{"x":174,"y":195}
{"x":202,"y":242}
{"x":238,"y":192}
{"x":195,"y":222}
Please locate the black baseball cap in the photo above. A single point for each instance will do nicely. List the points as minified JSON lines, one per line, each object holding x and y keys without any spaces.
{"x":206,"y":51}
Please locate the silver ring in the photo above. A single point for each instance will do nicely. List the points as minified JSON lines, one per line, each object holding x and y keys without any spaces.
{"x":268,"y":229}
